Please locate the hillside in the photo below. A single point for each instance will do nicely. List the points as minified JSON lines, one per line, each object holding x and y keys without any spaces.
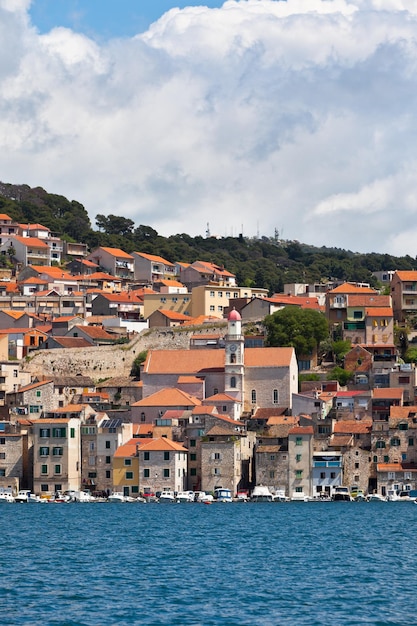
{"x":266,"y":262}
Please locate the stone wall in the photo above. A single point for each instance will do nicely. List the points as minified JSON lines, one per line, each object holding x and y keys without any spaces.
{"x":107,"y":361}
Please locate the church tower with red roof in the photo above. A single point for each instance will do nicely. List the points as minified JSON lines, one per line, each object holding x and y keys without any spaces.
{"x":234,"y":367}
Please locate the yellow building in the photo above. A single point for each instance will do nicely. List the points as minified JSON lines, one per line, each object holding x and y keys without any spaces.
{"x":126,"y":468}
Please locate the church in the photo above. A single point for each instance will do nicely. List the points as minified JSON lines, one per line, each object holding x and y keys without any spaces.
{"x":253,"y":377}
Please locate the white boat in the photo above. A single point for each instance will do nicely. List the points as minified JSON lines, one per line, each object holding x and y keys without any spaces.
{"x":26,"y":496}
{"x":167,"y":497}
{"x":376,"y":497}
{"x":6,"y":495}
{"x":185,"y":496}
{"x":261,"y":493}
{"x":116,"y":496}
{"x":341,"y":494}
{"x":299,"y":496}
{"x":205,"y":498}
{"x":223,"y":495}
{"x":279,"y":496}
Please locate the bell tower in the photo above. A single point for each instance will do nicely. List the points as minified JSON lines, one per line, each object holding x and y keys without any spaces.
{"x":234,"y":367}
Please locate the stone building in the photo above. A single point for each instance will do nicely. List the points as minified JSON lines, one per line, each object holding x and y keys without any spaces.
{"x":300,"y":449}
{"x":162,"y":466}
{"x":227,"y":459}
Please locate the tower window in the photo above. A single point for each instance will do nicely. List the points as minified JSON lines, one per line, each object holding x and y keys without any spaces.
{"x":233,"y":382}
{"x":253,"y":394}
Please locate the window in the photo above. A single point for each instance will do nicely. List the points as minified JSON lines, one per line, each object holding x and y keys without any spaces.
{"x":217,"y":456}
{"x":298,"y":490}
{"x":404,"y":380}
{"x":391,"y":475}
{"x":233,"y":382}
{"x":386,"y":458}
{"x":395,"y":441}
{"x":108,"y":459}
{"x":212,"y":307}
{"x":44,"y":487}
{"x":107,"y":444}
{"x":166,"y":456}
{"x":193,"y":457}
{"x":212,"y":294}
{"x":192,"y":443}
{"x":272,"y":474}
{"x":2,"y":456}
{"x":146,"y":456}
{"x":2,"y":440}
{"x":92,"y":474}
{"x":322,"y":475}
{"x":91,"y":446}
{"x":128,"y":461}
{"x":272,"y":457}
{"x":44,"y":469}
{"x":166,"y":473}
{"x":403,"y":426}
{"x":356,"y":465}
{"x":142,"y":417}
{"x":129,"y":475}
{"x":193,"y":471}
{"x":91,"y":460}
{"x":38,"y":394}
{"x":275,"y":396}
{"x":380,"y":444}
{"x":357,"y":315}
{"x":72,"y":433}
{"x":58,"y":432}
{"x":253,"y":396}
{"x":298,"y":473}
{"x":375,"y":459}
{"x":298,"y":441}
{"x":15,"y":373}
{"x":216,"y":471}
{"x":108,"y":474}
{"x":410,"y":441}
{"x":34,"y":408}
{"x":332,"y":474}
{"x":57,"y":469}
{"x":44,"y":451}
{"x":220,"y":308}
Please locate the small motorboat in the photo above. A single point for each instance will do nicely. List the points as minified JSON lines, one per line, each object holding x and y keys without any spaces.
{"x":167,"y":497}
{"x":116,"y":496}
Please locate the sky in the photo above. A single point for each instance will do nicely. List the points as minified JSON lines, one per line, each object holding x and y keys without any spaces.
{"x":243,"y":116}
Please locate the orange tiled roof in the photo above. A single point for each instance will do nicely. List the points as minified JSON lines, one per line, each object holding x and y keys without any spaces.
{"x":72,"y":342}
{"x":220,"y":397}
{"x":402,"y":412}
{"x":5,"y":217}
{"x":407,"y":275}
{"x":154,"y":257}
{"x":276,"y":420}
{"x":302,"y":430}
{"x":352,"y":427}
{"x":379,"y":311}
{"x":301,"y":301}
{"x":193,"y":361}
{"x":34,"y":385}
{"x":349,"y":288}
{"x":173,"y":315}
{"x":388,"y":393}
{"x":31,"y":242}
{"x":389,"y":467}
{"x":162,"y":444}
{"x":117,"y":253}
{"x":369,"y":300}
{"x":169,"y":397}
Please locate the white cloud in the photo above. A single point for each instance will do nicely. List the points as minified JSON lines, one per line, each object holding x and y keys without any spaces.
{"x":296,"y":115}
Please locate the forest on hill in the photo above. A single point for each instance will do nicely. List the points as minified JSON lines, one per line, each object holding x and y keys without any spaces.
{"x":266,"y":262}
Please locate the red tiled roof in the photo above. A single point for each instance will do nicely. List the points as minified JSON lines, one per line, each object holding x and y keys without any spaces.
{"x":154,"y":257}
{"x":379,"y":311}
{"x":168,"y":397}
{"x":369,"y":300}
{"x":302,"y":430}
{"x":117,"y":253}
{"x":162,"y":444}
{"x":406,"y":275}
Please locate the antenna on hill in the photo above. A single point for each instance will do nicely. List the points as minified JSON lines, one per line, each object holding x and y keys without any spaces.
{"x":208,"y":230}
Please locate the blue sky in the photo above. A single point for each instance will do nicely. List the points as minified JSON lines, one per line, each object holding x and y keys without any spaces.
{"x":105,"y":18}
{"x":249,"y":115}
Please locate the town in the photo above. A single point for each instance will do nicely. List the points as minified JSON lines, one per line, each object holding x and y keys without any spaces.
{"x":128,"y":374}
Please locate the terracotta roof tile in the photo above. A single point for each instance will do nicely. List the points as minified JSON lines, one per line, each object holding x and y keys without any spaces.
{"x":169,"y":397}
{"x":388,"y":393}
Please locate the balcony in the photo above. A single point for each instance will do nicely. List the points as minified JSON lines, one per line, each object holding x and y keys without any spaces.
{"x":327,"y":463}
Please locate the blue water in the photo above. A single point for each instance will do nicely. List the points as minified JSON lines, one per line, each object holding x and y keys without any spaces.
{"x":192,"y":564}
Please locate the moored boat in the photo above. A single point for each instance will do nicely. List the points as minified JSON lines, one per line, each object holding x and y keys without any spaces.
{"x":116,"y":496}
{"x":261,"y":493}
{"x":223,"y":495}
{"x":185,"y":496}
{"x":341,"y":494}
{"x":167,"y":497}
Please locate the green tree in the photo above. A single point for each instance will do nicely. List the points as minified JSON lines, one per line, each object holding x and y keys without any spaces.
{"x":341,"y":375}
{"x":141,"y":358}
{"x":303,"y":329}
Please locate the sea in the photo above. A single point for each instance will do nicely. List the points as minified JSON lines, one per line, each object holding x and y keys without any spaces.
{"x":240,"y":564}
